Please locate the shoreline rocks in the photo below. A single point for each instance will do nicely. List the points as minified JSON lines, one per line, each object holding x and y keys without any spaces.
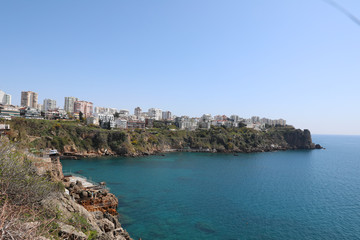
{"x":81,"y":203}
{"x":270,"y":148}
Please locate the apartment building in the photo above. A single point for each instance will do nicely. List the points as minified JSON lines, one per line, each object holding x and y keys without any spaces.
{"x":5,"y":99}
{"x":69,"y":104}
{"x":29,"y":99}
{"x":85,"y":107}
{"x":155,"y":113}
{"x":166,"y":115}
{"x":49,"y":104}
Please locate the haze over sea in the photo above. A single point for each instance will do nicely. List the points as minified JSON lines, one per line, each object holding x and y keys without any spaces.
{"x":308,"y":194}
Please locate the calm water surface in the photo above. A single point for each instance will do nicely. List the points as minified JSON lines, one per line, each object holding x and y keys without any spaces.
{"x":280,"y":195}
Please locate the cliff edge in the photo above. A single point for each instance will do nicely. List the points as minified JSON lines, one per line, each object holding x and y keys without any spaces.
{"x":74,"y":140}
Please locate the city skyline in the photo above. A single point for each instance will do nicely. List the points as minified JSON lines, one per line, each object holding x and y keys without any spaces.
{"x":51,"y":104}
{"x":294,"y":60}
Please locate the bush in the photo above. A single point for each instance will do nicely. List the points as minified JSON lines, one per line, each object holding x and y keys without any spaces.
{"x":18,"y":179}
{"x":21,"y":191}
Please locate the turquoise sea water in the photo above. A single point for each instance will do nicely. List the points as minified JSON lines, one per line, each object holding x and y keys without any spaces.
{"x":279,"y":195}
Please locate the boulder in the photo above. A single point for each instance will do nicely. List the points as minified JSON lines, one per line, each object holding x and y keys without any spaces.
{"x":79,"y":183}
{"x":104,"y":192}
{"x":84,"y":194}
{"x":77,"y":188}
{"x":317,"y":146}
{"x":67,"y":184}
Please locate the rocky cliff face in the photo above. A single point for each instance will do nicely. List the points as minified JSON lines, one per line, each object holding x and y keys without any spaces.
{"x":49,"y":165}
{"x":106,"y":226}
{"x":94,"y":209}
{"x":74,"y":140}
{"x":299,"y":139}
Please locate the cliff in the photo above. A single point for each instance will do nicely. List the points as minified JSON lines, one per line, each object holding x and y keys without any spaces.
{"x":93,"y":206}
{"x":72,"y":139}
{"x":38,"y":203}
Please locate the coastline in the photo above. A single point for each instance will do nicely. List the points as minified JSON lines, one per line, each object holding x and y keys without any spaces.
{"x":75,"y":141}
{"x":84,"y":199}
{"x":75,"y":156}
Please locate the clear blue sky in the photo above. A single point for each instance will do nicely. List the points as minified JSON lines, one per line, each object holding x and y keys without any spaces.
{"x":292,"y":59}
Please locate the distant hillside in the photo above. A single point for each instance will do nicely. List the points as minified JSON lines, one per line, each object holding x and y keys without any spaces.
{"x":75,"y":139}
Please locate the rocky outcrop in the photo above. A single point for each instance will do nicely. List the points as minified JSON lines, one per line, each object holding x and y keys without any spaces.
{"x":92,"y":198}
{"x":69,"y":232}
{"x":299,"y":139}
{"x":48,"y":165}
{"x":93,"y":207}
{"x":106,"y":225}
{"x":110,"y":227}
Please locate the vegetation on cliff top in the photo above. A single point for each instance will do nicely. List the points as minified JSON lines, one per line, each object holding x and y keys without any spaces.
{"x":74,"y":137}
{"x":22,"y":194}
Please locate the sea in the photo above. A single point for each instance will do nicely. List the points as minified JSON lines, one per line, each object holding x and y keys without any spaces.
{"x":296,"y":194}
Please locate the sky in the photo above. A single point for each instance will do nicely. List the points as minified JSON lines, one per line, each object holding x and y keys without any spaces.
{"x":293,"y":59}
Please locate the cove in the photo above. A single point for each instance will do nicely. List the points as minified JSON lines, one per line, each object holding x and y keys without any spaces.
{"x":302,"y":194}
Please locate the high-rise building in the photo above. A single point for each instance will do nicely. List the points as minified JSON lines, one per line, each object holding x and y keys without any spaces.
{"x":69,"y":104}
{"x":5,"y":99}
{"x":166,"y":115}
{"x":155,"y":113}
{"x":29,"y":99}
{"x":48,"y":105}
{"x":85,"y":107}
{"x":137,"y":112}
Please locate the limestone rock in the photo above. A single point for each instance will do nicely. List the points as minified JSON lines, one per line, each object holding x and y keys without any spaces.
{"x":69,"y":232}
{"x":84,"y":194}
{"x":98,"y":215}
{"x":106,"y":225}
{"x":68,"y":207}
{"x":79,"y":183}
{"x":317,"y":146}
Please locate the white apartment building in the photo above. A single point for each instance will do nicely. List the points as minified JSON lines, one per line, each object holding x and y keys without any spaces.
{"x":49,"y":104}
{"x":69,"y":104}
{"x":275,"y":122}
{"x":105,"y":110}
{"x":155,"y":113}
{"x":39,"y":107}
{"x":186,"y":123}
{"x":105,"y":118}
{"x":120,"y":123}
{"x":5,"y":99}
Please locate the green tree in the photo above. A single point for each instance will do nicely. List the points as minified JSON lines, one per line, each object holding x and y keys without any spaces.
{"x":81,"y":116}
